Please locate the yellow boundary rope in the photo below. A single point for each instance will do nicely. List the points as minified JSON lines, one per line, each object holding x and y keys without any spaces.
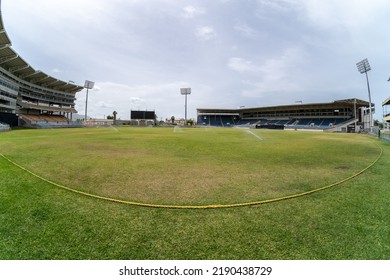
{"x":214,"y":206}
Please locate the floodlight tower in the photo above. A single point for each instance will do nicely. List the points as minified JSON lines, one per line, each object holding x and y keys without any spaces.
{"x":185,"y":92}
{"x":88,"y":85}
{"x":363,"y":67}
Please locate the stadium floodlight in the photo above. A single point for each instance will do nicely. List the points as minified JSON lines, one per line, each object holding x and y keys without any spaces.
{"x":363,"y":67}
{"x":185,"y":92}
{"x":88,"y":85}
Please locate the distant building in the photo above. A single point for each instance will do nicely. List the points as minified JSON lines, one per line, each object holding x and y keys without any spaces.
{"x":98,"y":122}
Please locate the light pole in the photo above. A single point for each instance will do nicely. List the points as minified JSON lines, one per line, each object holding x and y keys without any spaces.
{"x":363,"y":67}
{"x":88,"y":85}
{"x":185,"y":92}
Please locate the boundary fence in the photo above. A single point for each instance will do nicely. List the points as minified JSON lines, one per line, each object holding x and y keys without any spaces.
{"x":384,"y":135}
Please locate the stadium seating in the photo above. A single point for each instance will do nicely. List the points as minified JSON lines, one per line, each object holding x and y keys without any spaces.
{"x":47,"y":121}
{"x":294,"y":123}
{"x":219,"y":121}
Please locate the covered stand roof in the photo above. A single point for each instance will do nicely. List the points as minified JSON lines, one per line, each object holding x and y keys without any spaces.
{"x":335,"y":104}
{"x":386,"y":102}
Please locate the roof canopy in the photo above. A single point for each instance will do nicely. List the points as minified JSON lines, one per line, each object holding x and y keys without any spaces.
{"x":386,"y":102}
{"x":345,"y":102}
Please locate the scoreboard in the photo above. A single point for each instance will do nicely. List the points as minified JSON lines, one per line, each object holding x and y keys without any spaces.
{"x":142,"y":115}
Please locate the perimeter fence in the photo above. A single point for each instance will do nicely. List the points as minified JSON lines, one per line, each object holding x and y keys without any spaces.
{"x":385,"y":135}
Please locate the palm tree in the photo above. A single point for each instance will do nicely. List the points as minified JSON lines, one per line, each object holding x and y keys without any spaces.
{"x":114,"y":113}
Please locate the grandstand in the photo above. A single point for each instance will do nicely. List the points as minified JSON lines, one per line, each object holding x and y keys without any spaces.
{"x":348,"y":115}
{"x":29,"y":97}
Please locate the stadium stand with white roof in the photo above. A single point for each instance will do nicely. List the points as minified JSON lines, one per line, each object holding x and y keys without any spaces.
{"x":348,"y":115}
{"x":29,"y":97}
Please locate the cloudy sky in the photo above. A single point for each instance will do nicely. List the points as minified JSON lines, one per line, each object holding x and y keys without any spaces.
{"x":232,"y":53}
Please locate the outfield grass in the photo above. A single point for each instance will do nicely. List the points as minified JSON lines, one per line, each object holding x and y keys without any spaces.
{"x":192,"y":167}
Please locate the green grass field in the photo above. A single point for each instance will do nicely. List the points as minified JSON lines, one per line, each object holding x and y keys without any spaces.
{"x":192,"y":167}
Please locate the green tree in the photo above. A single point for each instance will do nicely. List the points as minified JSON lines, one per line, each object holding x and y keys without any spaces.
{"x":190,"y":122}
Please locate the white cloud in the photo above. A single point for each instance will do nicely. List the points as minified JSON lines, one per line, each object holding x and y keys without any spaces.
{"x":267,"y":8}
{"x":276,"y":74}
{"x":352,"y":14}
{"x":191,"y":12}
{"x":246,"y":30}
{"x":136,"y":101}
{"x":277,"y":4}
{"x":241,"y":65}
{"x":205,"y":33}
{"x":104,"y":105}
